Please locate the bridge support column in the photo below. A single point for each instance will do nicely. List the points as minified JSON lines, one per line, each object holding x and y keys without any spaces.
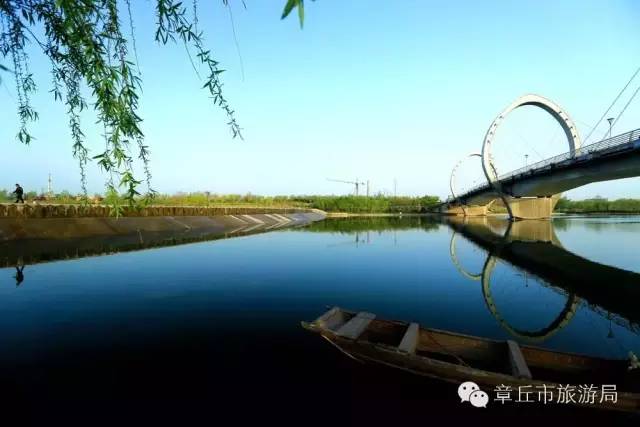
{"x":468,"y":210}
{"x":532,"y":207}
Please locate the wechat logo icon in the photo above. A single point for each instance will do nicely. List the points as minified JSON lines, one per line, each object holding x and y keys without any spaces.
{"x":470,"y":392}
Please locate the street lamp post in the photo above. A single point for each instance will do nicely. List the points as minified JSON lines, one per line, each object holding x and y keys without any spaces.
{"x":610,"y":120}
{"x":526,"y":160}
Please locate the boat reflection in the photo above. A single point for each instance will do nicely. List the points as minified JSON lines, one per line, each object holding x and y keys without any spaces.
{"x":533,"y":248}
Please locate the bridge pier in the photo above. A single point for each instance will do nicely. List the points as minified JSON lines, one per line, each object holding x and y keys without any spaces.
{"x":532,"y":207}
{"x":467,"y":210}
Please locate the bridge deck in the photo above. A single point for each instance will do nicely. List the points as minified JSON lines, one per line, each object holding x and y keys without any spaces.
{"x":615,"y":149}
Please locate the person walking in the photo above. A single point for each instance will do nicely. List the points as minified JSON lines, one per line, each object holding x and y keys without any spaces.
{"x":19,"y":192}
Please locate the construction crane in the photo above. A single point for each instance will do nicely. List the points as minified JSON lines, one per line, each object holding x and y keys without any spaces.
{"x":49,"y":188}
{"x":355,"y":183}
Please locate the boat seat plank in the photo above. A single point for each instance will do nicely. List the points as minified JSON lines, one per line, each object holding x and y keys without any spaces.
{"x":332,"y":319}
{"x":356,"y":325}
{"x":519,"y":366}
{"x":409,"y":341}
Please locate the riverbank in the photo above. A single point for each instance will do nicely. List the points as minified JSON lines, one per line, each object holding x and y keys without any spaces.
{"x":36,"y":210}
{"x":328,"y":203}
{"x":599,"y":213}
{"x":374,"y":215}
{"x":28,"y":240}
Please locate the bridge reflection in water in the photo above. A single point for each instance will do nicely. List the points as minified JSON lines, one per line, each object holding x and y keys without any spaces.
{"x":534,"y":248}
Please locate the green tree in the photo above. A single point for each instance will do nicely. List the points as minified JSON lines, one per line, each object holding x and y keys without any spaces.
{"x":86,"y":44}
{"x":563,"y":203}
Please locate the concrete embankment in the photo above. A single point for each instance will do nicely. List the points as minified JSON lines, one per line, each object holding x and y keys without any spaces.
{"x":30,"y":234}
{"x":32,"y":211}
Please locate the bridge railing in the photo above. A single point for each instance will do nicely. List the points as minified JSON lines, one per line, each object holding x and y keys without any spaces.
{"x":600,"y":146}
{"x":583,"y":153}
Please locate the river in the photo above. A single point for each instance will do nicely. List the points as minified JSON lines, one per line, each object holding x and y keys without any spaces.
{"x":211,"y":330}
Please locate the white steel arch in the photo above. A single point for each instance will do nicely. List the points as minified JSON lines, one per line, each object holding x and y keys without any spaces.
{"x":452,"y":179}
{"x":567,"y":124}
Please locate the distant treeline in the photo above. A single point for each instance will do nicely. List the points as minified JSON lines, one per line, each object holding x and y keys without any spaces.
{"x":375,"y":204}
{"x":211,"y":199}
{"x":350,"y":204}
{"x":597,"y":205}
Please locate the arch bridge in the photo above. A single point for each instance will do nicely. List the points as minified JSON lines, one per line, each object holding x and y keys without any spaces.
{"x":532,"y":192}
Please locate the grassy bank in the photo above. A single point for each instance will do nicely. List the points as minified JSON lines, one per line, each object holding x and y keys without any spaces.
{"x":375,"y":204}
{"x":598,"y":205}
{"x":349,"y":204}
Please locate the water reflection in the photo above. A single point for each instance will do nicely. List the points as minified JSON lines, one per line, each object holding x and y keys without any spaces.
{"x":533,"y":249}
{"x":545,"y":283}
{"x":19,"y":275}
{"x":354,"y":225}
{"x":526,"y":279}
{"x":184,"y":323}
{"x":38,"y":250}
{"x":363,"y":229}
{"x":358,"y":240}
{"x":475,"y":277}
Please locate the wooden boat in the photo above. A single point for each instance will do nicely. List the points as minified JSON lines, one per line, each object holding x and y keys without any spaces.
{"x":489,"y":363}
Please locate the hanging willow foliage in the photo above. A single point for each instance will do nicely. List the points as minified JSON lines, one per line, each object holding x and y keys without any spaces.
{"x":86,"y":46}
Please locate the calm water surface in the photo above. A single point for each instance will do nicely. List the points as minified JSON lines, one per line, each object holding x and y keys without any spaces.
{"x":210,"y":330}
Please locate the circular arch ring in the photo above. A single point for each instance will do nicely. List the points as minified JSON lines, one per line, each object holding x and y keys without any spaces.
{"x":453,"y":174}
{"x":452,"y":253}
{"x":565,"y":316}
{"x":567,"y":124}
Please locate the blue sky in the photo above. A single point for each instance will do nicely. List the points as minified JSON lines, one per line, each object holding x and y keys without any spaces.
{"x":376,"y":90}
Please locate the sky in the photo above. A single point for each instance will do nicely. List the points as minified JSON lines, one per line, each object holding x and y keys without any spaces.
{"x":369,"y":90}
